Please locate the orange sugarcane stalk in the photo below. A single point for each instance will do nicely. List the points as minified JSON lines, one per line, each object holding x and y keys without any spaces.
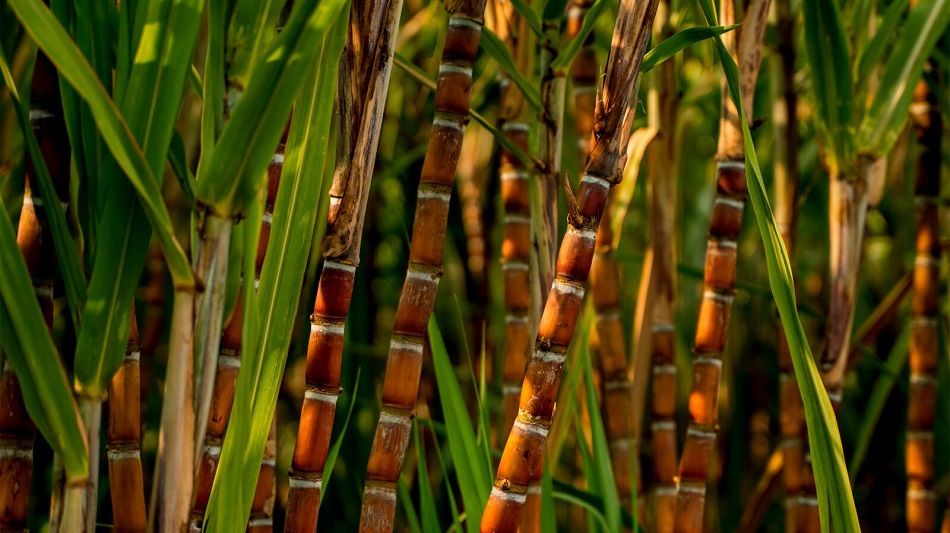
{"x":720,"y":273}
{"x":229,"y":359}
{"x":661,"y":114}
{"x":792,"y":417}
{"x":34,"y":239}
{"x":362,"y":88}
{"x":124,"y":447}
{"x":404,"y":363}
{"x":613,"y":119}
{"x":516,"y":244}
{"x":605,"y":285}
{"x":924,"y":325}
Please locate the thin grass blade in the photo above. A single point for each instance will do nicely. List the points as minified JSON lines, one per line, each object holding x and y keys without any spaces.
{"x":680,"y":41}
{"x":496,"y":48}
{"x":30,"y":350}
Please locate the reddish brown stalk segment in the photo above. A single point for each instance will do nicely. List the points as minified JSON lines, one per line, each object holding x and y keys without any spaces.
{"x":404,"y":364}
{"x":719,"y":276}
{"x":605,"y":285}
{"x":661,"y":107}
{"x":521,"y":458}
{"x":229,"y":361}
{"x":792,"y":417}
{"x":924,"y":334}
{"x":126,"y":484}
{"x":361,"y":97}
{"x":35,"y":242}
{"x":265,"y":494}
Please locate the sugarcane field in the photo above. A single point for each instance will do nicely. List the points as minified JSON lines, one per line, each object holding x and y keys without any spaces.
{"x":462,"y":266}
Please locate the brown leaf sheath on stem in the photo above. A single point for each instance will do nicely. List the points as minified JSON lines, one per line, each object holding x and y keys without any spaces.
{"x":661,"y":114}
{"x":521,"y":457}
{"x":924,"y":334}
{"x":785,"y":122}
{"x":361,"y":97}
{"x":124,"y":447}
{"x":35,"y":242}
{"x":404,"y":363}
{"x":720,"y":273}
{"x":229,"y":359}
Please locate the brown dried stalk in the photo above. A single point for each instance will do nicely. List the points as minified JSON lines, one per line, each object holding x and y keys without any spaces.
{"x":521,"y":458}
{"x":720,"y":273}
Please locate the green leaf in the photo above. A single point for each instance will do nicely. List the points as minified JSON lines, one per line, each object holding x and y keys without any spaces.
{"x":69,"y":264}
{"x":548,"y":518}
{"x":869,"y":54}
{"x":678,"y":42}
{"x":235,"y":171}
{"x":602,"y":476}
{"x":253,"y":26}
{"x":831,"y":473}
{"x":828,"y":56}
{"x":554,"y":10}
{"x":883,"y":122}
{"x":405,"y":501}
{"x":179,"y":165}
{"x":213,"y":92}
{"x":270,"y":313}
{"x":566,"y":56}
{"x":875,"y":403}
{"x":474,"y":476}
{"x":430,"y":518}
{"x":530,"y":16}
{"x":72,"y":66}
{"x":496,"y":48}
{"x":30,"y":350}
{"x":338,"y":444}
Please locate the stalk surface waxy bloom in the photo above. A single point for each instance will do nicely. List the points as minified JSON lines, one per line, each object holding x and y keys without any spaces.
{"x":362,"y":88}
{"x":614,"y":115}
{"x":17,"y":431}
{"x":720,"y":273}
{"x":124,"y":447}
{"x":924,"y":325}
{"x":404,"y":364}
{"x":229,"y":359}
{"x":661,"y":114}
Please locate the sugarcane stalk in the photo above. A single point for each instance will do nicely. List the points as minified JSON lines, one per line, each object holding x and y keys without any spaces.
{"x":228,"y":363}
{"x":661,"y":157}
{"x":265,"y":493}
{"x":404,"y":362}
{"x":719,"y":272}
{"x":520,"y":460}
{"x":34,"y":239}
{"x":553,"y":85}
{"x":924,"y":325}
{"x":361,"y":97}
{"x":516,"y":244}
{"x":785,"y":126}
{"x":124,"y":447}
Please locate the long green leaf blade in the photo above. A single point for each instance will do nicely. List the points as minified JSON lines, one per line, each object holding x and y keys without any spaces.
{"x":831,"y":472}
{"x":830,"y":62}
{"x":492,"y":44}
{"x":680,"y":41}
{"x":884,"y":120}
{"x":474,"y":476}
{"x":30,"y":350}
{"x":272,"y":309}
{"x":73,"y":278}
